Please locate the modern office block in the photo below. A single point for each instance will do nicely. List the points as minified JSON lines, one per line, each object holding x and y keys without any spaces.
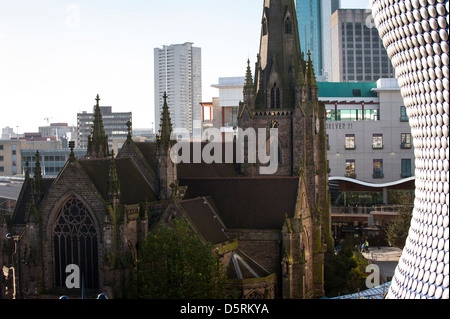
{"x":415,"y":35}
{"x":115,"y":124}
{"x":314,"y":31}
{"x":178,"y":73}
{"x":368,"y":139}
{"x":358,"y":53}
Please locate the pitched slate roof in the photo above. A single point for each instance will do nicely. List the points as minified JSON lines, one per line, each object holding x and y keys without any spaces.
{"x":191,"y":169}
{"x":133,"y":187}
{"x":25,"y":198}
{"x":148,"y":150}
{"x":248,"y":202}
{"x":204,"y":218}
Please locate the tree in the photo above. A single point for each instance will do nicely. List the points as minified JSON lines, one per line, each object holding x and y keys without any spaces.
{"x":397,"y":232}
{"x":174,"y":263}
{"x":344,"y":272}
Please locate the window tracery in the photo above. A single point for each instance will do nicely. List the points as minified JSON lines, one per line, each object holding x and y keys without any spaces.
{"x":75,"y":242}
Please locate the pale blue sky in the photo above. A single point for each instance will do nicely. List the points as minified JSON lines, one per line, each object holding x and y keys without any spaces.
{"x":56,"y":55}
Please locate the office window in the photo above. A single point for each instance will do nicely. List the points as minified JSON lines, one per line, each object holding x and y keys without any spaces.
{"x":1,"y":158}
{"x":1,"y":147}
{"x":2,"y":169}
{"x":406,"y":140}
{"x":403,"y":115}
{"x":350,"y":168}
{"x":350,"y":141}
{"x":406,"y":167}
{"x":377,"y":141}
{"x":378,"y":168}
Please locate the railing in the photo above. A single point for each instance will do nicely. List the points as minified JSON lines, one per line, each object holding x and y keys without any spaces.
{"x":365,"y":209}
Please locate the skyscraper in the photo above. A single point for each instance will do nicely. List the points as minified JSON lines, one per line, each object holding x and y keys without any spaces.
{"x":178,"y":72}
{"x":358,"y":53}
{"x":314,"y":29}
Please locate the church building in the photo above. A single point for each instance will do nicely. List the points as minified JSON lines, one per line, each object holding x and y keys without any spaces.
{"x":272,"y":231}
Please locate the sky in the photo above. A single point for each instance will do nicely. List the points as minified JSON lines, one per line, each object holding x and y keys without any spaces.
{"x":57,"y":55}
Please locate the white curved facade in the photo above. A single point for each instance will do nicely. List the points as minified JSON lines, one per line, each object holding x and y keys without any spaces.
{"x":415,"y":35}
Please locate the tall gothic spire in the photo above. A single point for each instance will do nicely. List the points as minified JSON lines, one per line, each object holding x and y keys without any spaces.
{"x":279,"y":61}
{"x":248,"y":77}
{"x":311,"y":89}
{"x":98,"y":141}
{"x":165,"y":128}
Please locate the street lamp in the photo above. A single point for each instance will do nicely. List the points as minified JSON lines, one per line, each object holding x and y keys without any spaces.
{"x":16,"y":251}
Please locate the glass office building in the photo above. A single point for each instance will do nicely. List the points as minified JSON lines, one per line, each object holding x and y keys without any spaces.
{"x":314,"y":30}
{"x":309,"y":27}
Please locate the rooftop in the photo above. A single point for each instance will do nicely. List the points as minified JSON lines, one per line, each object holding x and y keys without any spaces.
{"x":347,"y":89}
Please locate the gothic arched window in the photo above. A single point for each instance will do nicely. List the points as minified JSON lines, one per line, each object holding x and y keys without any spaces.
{"x":275,"y":97}
{"x":272,"y":98}
{"x":288,"y":26}
{"x":264,"y":26}
{"x":75,"y":242}
{"x":278,"y":102}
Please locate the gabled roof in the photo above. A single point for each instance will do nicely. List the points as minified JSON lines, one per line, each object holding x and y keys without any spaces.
{"x":133,"y":187}
{"x":25,"y":198}
{"x":148,"y":150}
{"x":201,"y":213}
{"x":191,"y":169}
{"x":248,"y":202}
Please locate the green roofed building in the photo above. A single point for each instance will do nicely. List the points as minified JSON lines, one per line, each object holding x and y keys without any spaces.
{"x":368,"y":134}
{"x":347,"y":89}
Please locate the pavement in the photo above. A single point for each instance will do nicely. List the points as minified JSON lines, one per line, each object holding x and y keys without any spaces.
{"x":383,"y":254}
{"x":386,"y":258}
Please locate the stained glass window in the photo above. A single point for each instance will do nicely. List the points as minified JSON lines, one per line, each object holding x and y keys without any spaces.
{"x":75,"y":242}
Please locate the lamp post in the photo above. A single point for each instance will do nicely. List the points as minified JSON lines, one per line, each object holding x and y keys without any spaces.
{"x":16,"y":251}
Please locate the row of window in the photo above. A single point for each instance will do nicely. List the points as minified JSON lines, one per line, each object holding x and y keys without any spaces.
{"x":353,"y":115}
{"x":377,"y":141}
{"x":47,"y":158}
{"x":350,"y":168}
{"x":359,"y":115}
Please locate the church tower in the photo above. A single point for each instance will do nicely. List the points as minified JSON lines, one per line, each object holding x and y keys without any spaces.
{"x":98,"y":140}
{"x":284,"y":94}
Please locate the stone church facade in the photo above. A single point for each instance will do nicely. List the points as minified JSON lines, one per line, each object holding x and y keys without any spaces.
{"x":272,"y":231}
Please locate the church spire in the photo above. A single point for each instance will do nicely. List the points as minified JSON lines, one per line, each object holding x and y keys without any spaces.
{"x":165,"y":128}
{"x":311,"y":89}
{"x":249,"y":88}
{"x":248,"y":77}
{"x":98,"y":140}
{"x":279,"y":57}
